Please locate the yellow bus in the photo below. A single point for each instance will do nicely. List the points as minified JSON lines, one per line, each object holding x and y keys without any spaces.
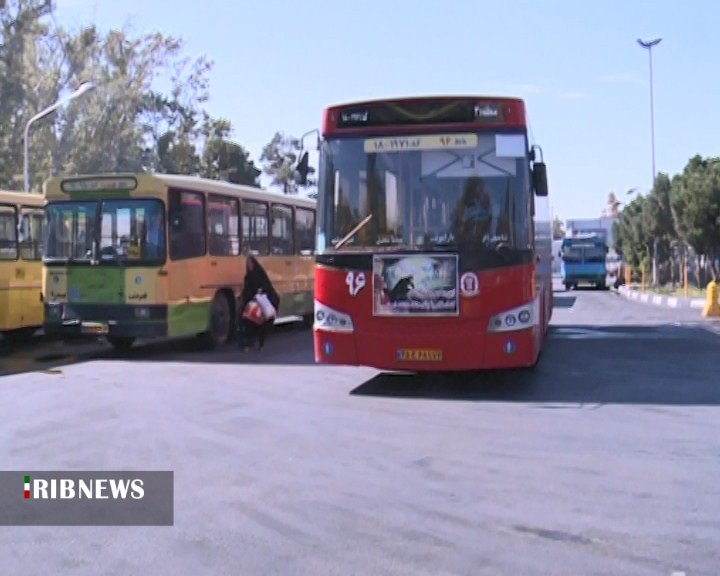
{"x":141,"y":256}
{"x":21,"y":240}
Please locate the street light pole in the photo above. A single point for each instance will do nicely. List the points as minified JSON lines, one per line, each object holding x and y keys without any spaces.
{"x":82,"y":89}
{"x":648,"y":45}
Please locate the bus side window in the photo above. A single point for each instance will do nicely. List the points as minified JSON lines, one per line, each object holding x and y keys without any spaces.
{"x":282,"y":230}
{"x":187,"y":225}
{"x":305,"y":231}
{"x":8,"y":233}
{"x":223,"y":226}
{"x":31,"y":238}
{"x":255,"y":228}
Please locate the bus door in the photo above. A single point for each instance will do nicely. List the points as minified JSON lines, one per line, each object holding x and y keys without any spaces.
{"x":190,"y":275}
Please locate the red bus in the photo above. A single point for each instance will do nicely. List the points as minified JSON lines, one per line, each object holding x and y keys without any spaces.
{"x":434,"y":243}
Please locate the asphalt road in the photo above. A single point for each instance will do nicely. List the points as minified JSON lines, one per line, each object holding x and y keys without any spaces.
{"x":603,"y":461}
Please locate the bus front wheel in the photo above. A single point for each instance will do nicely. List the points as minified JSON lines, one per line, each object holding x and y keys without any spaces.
{"x":220,"y":322}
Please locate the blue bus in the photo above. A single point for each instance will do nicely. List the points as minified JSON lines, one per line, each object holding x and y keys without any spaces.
{"x":584,"y":261}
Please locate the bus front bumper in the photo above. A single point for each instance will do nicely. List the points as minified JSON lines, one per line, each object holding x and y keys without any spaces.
{"x":94,"y":320}
{"x":445,"y":349}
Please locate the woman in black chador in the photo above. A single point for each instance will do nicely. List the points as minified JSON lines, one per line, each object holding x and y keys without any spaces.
{"x":256,"y":281}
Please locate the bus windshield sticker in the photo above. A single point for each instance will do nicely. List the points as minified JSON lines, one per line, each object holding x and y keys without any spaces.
{"x":414,"y":285}
{"x":510,"y":146}
{"x":481,"y":162}
{"x":430,"y":142}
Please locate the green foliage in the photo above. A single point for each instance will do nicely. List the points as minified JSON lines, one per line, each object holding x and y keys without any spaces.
{"x":125,"y":124}
{"x":558,"y":229}
{"x":631,"y":233}
{"x":226,"y":160}
{"x":696,"y":205}
{"x":279,"y":158}
{"x":679,"y":212}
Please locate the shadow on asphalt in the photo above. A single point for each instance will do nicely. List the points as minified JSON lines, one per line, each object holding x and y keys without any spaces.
{"x":289,"y":344}
{"x":564,"y":301}
{"x":665,"y":365}
{"x":661,"y":365}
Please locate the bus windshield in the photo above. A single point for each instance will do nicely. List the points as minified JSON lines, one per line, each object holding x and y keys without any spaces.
{"x":571,"y":253}
{"x":117,"y":230}
{"x":583,"y":252}
{"x":595,"y":254}
{"x":426,"y":192}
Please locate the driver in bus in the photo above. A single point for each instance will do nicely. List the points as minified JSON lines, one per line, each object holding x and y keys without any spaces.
{"x":474,"y":214}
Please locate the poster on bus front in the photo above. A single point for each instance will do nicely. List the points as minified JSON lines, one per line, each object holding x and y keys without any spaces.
{"x":415,"y":285}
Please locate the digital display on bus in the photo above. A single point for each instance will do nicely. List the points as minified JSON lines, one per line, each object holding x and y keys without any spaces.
{"x":419,"y":113}
{"x":98,"y":184}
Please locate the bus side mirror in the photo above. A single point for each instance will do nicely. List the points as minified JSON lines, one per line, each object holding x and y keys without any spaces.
{"x":302,"y":169}
{"x":539,"y":175}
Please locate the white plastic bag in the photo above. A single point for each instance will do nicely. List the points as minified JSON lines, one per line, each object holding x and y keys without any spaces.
{"x":266,"y":306}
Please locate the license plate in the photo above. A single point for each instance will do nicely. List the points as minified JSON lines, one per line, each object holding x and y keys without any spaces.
{"x":95,"y":329}
{"x":419,"y":355}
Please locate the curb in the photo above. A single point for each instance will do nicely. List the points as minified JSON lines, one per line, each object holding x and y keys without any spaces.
{"x":675,"y":302}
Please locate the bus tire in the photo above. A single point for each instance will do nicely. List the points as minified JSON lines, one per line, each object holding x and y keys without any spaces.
{"x":220,"y":324}
{"x":121,"y":343}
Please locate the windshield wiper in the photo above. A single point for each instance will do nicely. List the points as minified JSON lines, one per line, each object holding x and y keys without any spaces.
{"x":345,"y":239}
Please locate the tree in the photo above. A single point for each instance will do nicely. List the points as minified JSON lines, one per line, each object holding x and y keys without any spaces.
{"x":658,"y":222}
{"x":173,"y":124}
{"x":558,"y":229}
{"x":223,"y":159}
{"x":124,"y":125}
{"x":105,"y":132}
{"x":631,"y":234}
{"x":279,"y":158}
{"x":695,"y":201}
{"x":21,"y":28}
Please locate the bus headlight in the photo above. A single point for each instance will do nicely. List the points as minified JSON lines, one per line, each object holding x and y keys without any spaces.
{"x":519,"y":318}
{"x":331,"y":320}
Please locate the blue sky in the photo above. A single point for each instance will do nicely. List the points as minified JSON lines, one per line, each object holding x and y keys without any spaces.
{"x":576,"y":63}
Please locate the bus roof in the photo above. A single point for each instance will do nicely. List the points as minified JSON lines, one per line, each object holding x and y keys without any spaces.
{"x":439,"y":99}
{"x":21,"y":198}
{"x":585,"y":236}
{"x":584,"y":240}
{"x":422,"y":113}
{"x":157,"y":184}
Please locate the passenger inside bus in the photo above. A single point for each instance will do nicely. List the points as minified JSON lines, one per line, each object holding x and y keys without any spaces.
{"x":473,"y":217}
